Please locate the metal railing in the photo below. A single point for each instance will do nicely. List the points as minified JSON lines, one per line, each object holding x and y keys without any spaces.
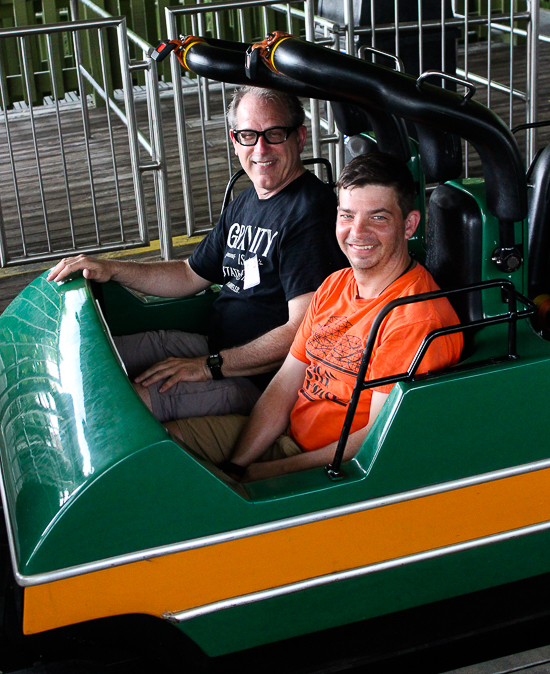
{"x":462,"y":39}
{"x":443,"y":42}
{"x":43,"y":226}
{"x":298,"y":18}
{"x":69,"y":193}
{"x":154,"y":148}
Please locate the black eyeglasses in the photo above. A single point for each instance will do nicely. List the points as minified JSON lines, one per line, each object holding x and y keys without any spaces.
{"x":275,"y":135}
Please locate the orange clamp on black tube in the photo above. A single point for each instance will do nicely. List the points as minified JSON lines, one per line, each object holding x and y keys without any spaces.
{"x":272,"y":42}
{"x":179,"y":47}
{"x":187,"y":41}
{"x":263,"y":50}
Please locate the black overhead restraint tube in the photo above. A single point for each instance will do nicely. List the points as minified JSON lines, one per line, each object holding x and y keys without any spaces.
{"x":214,"y":59}
{"x":421,"y":103}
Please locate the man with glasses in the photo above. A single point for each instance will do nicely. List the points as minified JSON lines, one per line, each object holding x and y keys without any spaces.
{"x":272,"y":247}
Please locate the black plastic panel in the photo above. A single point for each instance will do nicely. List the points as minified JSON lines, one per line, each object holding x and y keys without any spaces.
{"x":538,"y":179}
{"x":453,"y":246}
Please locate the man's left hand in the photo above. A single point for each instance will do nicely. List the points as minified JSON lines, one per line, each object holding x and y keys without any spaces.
{"x":174,"y":370}
{"x":262,"y":470}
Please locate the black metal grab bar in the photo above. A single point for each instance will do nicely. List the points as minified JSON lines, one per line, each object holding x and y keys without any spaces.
{"x":511,"y":317}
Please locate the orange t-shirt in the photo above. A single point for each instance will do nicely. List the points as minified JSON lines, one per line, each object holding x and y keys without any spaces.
{"x":332,"y":338}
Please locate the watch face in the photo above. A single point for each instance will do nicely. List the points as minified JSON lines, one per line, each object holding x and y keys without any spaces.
{"x":215,"y":363}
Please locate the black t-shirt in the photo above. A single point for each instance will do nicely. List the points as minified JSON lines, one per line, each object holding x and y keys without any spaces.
{"x":290,"y":243}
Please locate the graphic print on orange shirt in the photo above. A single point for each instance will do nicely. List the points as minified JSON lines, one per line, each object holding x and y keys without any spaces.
{"x":331,"y":345}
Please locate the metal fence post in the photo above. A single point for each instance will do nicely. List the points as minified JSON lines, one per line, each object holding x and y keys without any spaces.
{"x":313,"y":102}
{"x":180,"y":124}
{"x":132,"y":128}
{"x":159,"y":155}
{"x":533,"y":71}
{"x":79,"y":63}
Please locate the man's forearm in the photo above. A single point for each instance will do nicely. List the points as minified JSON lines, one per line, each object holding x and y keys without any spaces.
{"x":268,"y":351}
{"x":263,"y":354}
{"x":319,"y":457}
{"x":271,"y":414}
{"x":164,"y":279}
{"x":314,"y":459}
{"x":260,"y":355}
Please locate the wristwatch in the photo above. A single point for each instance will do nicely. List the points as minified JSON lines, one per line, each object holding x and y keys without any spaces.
{"x":215,"y":362}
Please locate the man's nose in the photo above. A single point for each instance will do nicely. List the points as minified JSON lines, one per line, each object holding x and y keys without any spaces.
{"x":262,"y":145}
{"x":359,"y":225}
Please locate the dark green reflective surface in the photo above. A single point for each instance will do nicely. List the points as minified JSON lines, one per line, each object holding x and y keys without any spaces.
{"x":67,"y":411}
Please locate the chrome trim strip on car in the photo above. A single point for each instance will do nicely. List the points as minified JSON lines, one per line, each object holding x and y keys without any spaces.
{"x":276,"y":525}
{"x":243,"y":600}
{"x":9,"y":530}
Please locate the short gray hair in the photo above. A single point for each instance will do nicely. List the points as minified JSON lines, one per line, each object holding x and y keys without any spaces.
{"x":296,"y":114}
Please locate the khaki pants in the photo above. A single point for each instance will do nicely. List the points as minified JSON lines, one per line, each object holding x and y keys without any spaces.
{"x":214,"y":438}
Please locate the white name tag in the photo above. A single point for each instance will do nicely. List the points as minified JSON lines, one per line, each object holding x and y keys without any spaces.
{"x":251,"y":273}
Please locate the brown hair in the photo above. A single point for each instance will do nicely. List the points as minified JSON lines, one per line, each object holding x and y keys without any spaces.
{"x":379,"y":168}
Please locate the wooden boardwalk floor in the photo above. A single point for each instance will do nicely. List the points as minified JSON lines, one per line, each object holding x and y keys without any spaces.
{"x":96,"y":157}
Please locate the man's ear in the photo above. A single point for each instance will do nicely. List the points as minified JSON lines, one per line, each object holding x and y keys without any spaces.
{"x":302,"y":135}
{"x":411,"y":223}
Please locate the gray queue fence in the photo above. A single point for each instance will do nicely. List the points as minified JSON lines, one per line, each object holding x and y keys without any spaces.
{"x":73,"y":176}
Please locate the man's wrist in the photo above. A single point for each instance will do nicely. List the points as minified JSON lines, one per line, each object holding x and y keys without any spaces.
{"x":214,"y":363}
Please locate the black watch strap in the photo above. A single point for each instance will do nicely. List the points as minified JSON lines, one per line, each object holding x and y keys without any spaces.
{"x":215,"y":362}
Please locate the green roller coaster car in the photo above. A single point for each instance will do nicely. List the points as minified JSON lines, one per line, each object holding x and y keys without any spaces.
{"x":107,"y":516}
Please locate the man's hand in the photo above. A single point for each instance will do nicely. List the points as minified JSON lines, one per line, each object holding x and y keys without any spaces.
{"x":92,"y":268}
{"x":175,"y":370}
{"x":257,"y":471}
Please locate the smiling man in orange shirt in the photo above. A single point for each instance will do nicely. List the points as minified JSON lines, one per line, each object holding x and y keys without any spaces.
{"x":297,"y":421}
